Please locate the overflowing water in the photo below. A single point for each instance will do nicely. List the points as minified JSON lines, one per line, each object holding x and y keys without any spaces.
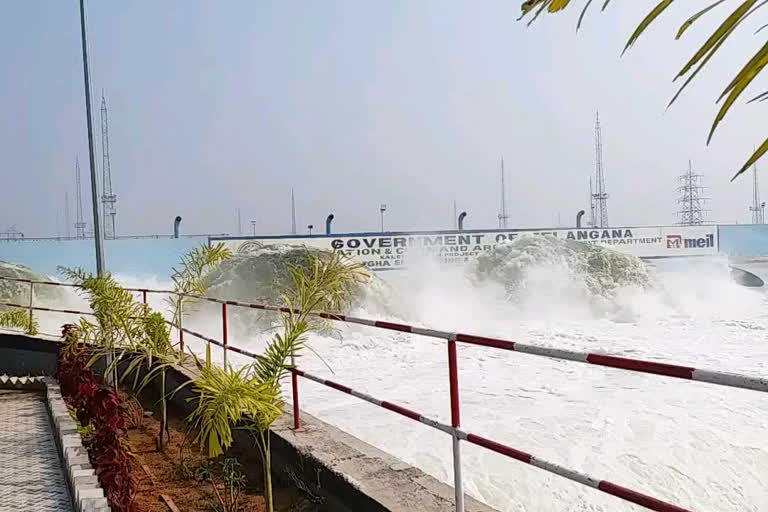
{"x":700,"y":446}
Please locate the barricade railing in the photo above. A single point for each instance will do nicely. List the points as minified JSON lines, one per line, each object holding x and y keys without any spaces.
{"x":454,"y":430}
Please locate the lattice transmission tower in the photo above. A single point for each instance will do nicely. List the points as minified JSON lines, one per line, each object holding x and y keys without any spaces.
{"x":758,"y":207}
{"x":599,"y":196}
{"x":503,"y":216}
{"x":79,"y":222}
{"x":108,"y":198}
{"x":691,"y":200}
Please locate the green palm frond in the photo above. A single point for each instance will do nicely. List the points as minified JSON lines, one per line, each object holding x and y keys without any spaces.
{"x":224,"y":397}
{"x":19,"y":319}
{"x":189,"y":277}
{"x":118,"y":315}
{"x":655,"y":13}
{"x":740,"y":82}
{"x":760,"y":97}
{"x":690,"y":21}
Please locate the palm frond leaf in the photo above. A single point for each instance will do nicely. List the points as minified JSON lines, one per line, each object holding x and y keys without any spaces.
{"x":690,"y":21}
{"x":189,"y":278}
{"x":759,"y":152}
{"x":650,"y":17}
{"x":760,"y":97}
{"x":583,"y":12}
{"x":722,"y":32}
{"x":748,"y":73}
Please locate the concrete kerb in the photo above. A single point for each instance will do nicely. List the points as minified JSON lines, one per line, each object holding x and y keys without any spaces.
{"x":84,"y":488}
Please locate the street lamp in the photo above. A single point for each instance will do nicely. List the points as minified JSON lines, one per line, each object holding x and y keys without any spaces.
{"x":94,"y":193}
{"x":309,"y":227}
{"x":253,"y":225}
{"x":382,"y":209}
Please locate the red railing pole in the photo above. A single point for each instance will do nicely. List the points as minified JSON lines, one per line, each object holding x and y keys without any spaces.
{"x":453,"y":377}
{"x":224,"y":330}
{"x":295,"y":386}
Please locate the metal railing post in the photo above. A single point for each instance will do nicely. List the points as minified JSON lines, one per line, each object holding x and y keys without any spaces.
{"x":181,"y":330}
{"x":224,"y":330}
{"x":453,"y":376}
{"x":31,"y":293}
{"x":295,"y":389}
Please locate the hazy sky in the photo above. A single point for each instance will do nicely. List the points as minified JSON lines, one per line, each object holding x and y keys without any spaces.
{"x":216,"y":106}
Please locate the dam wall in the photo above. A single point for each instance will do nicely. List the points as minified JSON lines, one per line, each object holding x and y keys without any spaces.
{"x":391,"y":250}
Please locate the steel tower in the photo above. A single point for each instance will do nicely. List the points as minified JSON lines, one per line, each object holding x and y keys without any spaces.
{"x":108,"y":198}
{"x":600,"y":196}
{"x":503,"y":212}
{"x":79,"y":222}
{"x":68,"y":229}
{"x":758,"y":207}
{"x":691,"y":201}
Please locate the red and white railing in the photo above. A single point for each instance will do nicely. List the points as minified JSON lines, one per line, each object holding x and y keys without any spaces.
{"x":454,"y":430}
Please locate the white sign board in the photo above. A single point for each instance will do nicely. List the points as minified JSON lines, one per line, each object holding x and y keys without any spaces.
{"x":391,"y":251}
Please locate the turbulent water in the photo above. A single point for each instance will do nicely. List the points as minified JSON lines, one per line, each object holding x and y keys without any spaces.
{"x":599,"y":270}
{"x":700,"y":446}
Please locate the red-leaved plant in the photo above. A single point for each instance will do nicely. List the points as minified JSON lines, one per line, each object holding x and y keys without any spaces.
{"x":97,"y":404}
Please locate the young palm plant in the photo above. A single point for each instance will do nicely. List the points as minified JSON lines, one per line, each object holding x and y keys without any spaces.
{"x":323,"y":285}
{"x":189,"y":277}
{"x":731,"y":21}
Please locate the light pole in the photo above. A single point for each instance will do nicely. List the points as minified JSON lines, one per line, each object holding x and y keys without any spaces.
{"x":309,"y":227}
{"x":94,"y":192}
{"x":253,"y":225}
{"x":382,"y":209}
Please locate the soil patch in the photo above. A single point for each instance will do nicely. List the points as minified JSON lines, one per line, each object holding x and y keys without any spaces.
{"x":174,"y":473}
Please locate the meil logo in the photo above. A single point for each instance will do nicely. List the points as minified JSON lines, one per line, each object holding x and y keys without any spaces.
{"x":678,"y":242}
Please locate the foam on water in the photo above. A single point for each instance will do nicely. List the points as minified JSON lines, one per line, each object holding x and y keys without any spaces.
{"x":697,"y":445}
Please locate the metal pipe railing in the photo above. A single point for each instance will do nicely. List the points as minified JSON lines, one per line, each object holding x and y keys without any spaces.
{"x":224,"y":332}
{"x":458,"y":434}
{"x":621,"y":363}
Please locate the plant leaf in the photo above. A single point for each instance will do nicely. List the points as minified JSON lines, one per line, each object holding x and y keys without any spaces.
{"x":690,"y":21}
{"x":655,"y":12}
{"x":529,"y":5}
{"x":710,"y":55}
{"x":745,"y":71}
{"x":760,"y":97}
{"x":750,"y":71}
{"x":759,"y":152}
{"x":558,"y":5}
{"x":722,"y":32}
{"x":583,"y":12}
{"x":538,"y":13}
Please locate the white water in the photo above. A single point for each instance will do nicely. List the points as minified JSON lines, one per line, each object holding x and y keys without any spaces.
{"x":700,"y":446}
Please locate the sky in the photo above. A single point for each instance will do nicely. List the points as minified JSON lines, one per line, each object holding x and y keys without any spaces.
{"x":220,"y":106}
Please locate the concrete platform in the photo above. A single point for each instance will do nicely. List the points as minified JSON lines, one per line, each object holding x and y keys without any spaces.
{"x":354,"y":475}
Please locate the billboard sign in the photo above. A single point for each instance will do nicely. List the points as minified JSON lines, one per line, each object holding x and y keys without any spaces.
{"x":389,"y":251}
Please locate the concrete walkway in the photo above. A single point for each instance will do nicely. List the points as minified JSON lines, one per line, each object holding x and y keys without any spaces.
{"x":31,"y":475}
